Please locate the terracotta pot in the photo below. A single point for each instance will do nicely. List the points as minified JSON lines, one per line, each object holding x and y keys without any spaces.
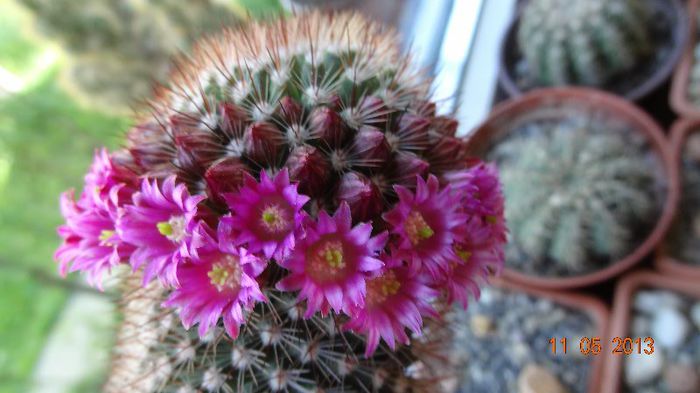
{"x":594,"y":308}
{"x":665,"y":262}
{"x":621,"y":314}
{"x":504,"y":115}
{"x":681,"y":79}
{"x":635,"y":85}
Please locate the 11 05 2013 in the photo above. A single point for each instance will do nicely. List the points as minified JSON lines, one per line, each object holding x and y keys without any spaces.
{"x":592,"y":346}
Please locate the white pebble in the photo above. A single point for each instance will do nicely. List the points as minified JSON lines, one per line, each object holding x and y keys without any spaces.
{"x":669,"y":328}
{"x":641,"y":369}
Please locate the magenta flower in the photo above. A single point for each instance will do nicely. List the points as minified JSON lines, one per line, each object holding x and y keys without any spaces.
{"x":159,"y":224}
{"x":426,"y":224}
{"x":329,"y":265}
{"x":475,"y":257}
{"x":480,"y":193}
{"x":220,"y":283}
{"x":396,"y":299}
{"x":266,"y":216}
{"x":104,"y":175}
{"x":90,"y":243}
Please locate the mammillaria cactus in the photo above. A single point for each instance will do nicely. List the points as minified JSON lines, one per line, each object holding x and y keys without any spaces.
{"x":582,"y":42}
{"x":294,"y":195}
{"x":580,"y":192}
{"x":684,"y":236}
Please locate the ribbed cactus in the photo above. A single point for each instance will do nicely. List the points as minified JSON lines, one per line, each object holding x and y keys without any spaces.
{"x":582,"y":42}
{"x":579,"y":193}
{"x":117,"y":48}
{"x":684,"y":237}
{"x":694,"y":77}
{"x":297,"y":198}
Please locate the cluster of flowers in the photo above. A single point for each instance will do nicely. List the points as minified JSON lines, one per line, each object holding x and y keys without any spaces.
{"x":438,"y":241}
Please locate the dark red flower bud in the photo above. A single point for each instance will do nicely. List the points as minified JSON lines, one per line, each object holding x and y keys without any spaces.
{"x":289,"y":111}
{"x":447,"y":154}
{"x":225,"y":175}
{"x":310,"y":168}
{"x":233,"y":120}
{"x":411,"y":133}
{"x":445,"y":125}
{"x":370,"y":148}
{"x":326,"y":125}
{"x":262,"y":143}
{"x":150,"y":147}
{"x":195,"y":145}
{"x":362,"y":195}
{"x":426,"y":109}
{"x":406,"y":166}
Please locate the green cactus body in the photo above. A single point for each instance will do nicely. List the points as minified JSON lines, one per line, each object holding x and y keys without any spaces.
{"x":277,"y":351}
{"x":582,"y":42}
{"x":694,"y":77}
{"x":683,"y":238}
{"x":578,"y":192}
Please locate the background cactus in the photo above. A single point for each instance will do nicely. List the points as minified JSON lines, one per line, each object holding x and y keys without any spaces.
{"x":694,"y":78}
{"x":580,"y":192}
{"x":224,"y":195}
{"x":118,"y":48}
{"x":684,"y":237}
{"x":583,"y":42}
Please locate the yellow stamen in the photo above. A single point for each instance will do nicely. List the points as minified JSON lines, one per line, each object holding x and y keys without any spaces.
{"x":417,"y":228}
{"x":105,"y":235}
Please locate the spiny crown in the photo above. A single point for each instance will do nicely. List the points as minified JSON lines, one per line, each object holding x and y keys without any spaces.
{"x":582,"y":42}
{"x":277,"y":351}
{"x":327,"y":96}
{"x":578,"y":191}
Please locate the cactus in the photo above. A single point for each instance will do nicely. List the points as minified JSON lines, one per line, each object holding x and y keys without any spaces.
{"x":684,"y":236}
{"x":582,"y":42}
{"x":294,"y":194}
{"x":118,"y":48}
{"x":694,"y":77}
{"x":280,"y":351}
{"x":578,"y":191}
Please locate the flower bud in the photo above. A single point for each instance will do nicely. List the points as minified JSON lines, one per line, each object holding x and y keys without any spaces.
{"x":370,"y":148}
{"x":310,"y":168}
{"x":362,"y":195}
{"x":326,"y":125}
{"x":262,"y":143}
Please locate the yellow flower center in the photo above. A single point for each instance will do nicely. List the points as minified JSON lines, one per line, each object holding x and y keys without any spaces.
{"x":491,"y":219}
{"x":173,"y":229}
{"x":463,"y":254}
{"x":326,"y":261}
{"x":273,"y":218}
{"x":105,"y":235}
{"x":382,"y":288}
{"x":226,"y":273}
{"x":417,"y":228}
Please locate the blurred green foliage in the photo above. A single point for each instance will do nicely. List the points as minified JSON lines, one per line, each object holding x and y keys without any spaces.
{"x":47,"y":139}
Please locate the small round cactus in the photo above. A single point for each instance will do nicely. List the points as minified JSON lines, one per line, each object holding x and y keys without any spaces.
{"x":295,"y":196}
{"x":582,"y":42}
{"x":579,"y":193}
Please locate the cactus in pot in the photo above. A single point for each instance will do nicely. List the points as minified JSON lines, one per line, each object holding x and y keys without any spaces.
{"x":580,"y":192}
{"x":583,"y":42}
{"x":295,"y":196}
